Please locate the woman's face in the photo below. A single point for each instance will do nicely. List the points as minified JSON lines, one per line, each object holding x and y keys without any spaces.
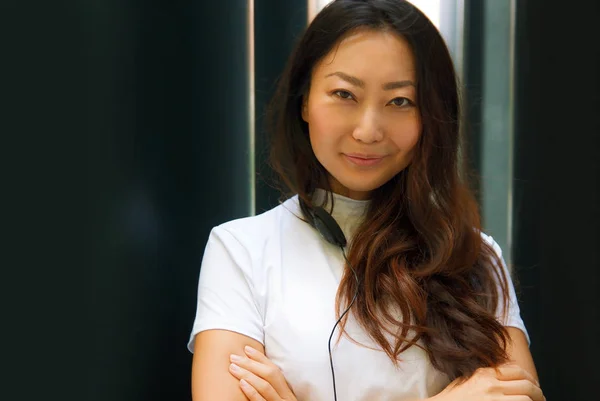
{"x":362,"y":112}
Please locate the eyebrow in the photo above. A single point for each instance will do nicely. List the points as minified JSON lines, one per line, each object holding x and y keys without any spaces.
{"x":361,"y":84}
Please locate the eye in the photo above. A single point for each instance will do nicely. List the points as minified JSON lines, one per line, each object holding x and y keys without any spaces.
{"x":401,"y":102}
{"x":343,"y":94}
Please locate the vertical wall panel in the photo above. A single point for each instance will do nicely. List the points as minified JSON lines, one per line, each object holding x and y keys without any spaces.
{"x":169,"y":159}
{"x":277,"y":26}
{"x":557,"y":191}
{"x":496,"y":122}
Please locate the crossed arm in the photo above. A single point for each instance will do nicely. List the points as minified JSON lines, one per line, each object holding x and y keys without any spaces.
{"x":212,"y":380}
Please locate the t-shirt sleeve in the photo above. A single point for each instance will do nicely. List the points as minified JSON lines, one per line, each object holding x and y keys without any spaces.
{"x":225,"y":289}
{"x":512,"y":317}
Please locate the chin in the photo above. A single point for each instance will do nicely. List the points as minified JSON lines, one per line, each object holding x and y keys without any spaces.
{"x":364,"y":186}
{"x":348,"y":181}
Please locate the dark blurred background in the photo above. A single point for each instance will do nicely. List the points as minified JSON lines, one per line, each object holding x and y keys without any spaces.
{"x":131,"y":128}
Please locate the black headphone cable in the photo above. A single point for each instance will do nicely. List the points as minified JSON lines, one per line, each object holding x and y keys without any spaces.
{"x":338,"y":321}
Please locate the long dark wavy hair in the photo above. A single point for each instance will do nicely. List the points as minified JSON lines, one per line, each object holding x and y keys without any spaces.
{"x":419,"y":250}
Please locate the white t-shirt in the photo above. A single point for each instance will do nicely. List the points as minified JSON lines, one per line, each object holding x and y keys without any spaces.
{"x":273,"y":278}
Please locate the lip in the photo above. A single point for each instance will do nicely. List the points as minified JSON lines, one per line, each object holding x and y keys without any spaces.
{"x":363,"y":160}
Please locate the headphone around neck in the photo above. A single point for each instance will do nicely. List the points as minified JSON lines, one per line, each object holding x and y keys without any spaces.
{"x":330,"y":230}
{"x":326,"y":225}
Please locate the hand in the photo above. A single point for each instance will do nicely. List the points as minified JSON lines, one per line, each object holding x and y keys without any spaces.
{"x":260,"y":379}
{"x":510,"y":382}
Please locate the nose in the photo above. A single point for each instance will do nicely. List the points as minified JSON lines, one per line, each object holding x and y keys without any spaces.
{"x":368,"y":129}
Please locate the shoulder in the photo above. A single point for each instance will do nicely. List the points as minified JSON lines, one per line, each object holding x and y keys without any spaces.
{"x":251,"y":232}
{"x":491,"y":242}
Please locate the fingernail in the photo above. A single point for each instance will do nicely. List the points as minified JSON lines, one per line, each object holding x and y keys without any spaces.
{"x":234,"y":367}
{"x":235,"y":358}
{"x":249,"y":349}
{"x":244,"y":383}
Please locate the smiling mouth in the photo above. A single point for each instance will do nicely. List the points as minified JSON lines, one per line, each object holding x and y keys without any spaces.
{"x":364,"y":160}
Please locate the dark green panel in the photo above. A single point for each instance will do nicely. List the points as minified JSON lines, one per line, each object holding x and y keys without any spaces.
{"x":277,"y":25}
{"x":557,"y":191}
{"x":169,"y":159}
{"x":473,"y":88}
{"x":496,"y":123}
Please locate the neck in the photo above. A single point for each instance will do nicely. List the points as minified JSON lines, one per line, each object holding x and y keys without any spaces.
{"x":338,"y":188}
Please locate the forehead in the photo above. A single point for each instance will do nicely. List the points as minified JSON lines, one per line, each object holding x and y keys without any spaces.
{"x":368,"y":52}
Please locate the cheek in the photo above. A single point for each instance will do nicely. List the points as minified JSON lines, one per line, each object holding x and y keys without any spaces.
{"x":326,"y":127}
{"x":407,"y":134}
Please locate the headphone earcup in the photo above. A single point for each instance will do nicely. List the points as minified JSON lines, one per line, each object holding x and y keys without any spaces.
{"x":328,"y":227}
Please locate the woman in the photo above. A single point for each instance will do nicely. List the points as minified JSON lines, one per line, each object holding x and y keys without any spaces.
{"x":367,"y":127}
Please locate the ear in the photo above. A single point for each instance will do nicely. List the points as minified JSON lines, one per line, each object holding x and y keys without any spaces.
{"x":304,"y":110}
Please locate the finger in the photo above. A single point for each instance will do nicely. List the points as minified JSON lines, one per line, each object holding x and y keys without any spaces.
{"x":258,"y":368}
{"x":260,"y":385}
{"x":257,"y":356}
{"x":523,"y":387}
{"x":514,"y":372}
{"x":258,"y":363}
{"x":250,"y":391}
